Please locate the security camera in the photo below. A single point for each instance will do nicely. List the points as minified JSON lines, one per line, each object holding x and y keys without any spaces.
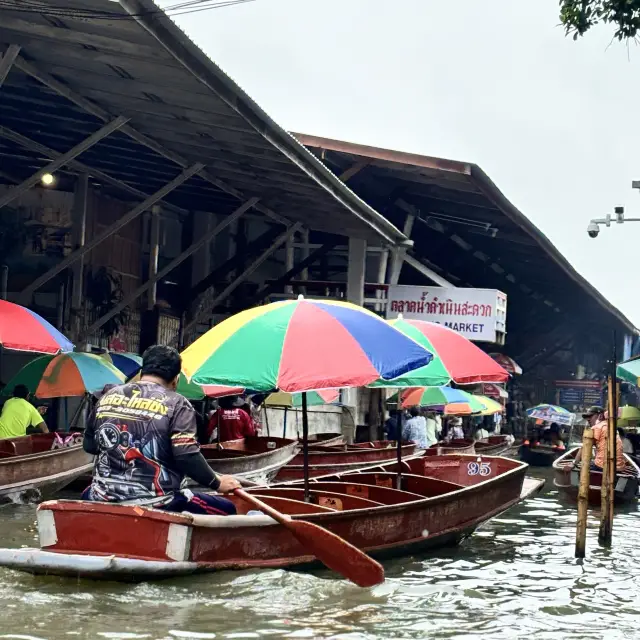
{"x":593,"y":230}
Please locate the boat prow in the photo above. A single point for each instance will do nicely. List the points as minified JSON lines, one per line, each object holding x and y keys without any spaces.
{"x":566,"y":478}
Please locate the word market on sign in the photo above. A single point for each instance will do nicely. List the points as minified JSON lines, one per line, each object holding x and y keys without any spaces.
{"x":477,"y":314}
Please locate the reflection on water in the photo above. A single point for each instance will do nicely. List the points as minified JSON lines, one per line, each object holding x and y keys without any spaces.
{"x":514,"y":578}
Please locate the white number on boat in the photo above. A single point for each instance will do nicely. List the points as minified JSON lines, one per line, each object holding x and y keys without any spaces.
{"x":479,"y":468}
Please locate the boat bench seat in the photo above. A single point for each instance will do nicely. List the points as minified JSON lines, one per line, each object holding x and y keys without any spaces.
{"x":16,"y":447}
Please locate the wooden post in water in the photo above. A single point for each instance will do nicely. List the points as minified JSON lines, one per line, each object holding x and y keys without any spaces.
{"x":583,"y":493}
{"x":609,"y":469}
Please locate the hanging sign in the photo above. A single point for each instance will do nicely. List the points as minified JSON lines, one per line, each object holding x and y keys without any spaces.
{"x":478,"y":314}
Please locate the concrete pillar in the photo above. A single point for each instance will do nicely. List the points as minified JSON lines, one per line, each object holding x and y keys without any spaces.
{"x":356,"y":270}
{"x":289,"y":260}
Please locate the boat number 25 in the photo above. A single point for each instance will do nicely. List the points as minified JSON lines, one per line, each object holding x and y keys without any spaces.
{"x":479,"y":468}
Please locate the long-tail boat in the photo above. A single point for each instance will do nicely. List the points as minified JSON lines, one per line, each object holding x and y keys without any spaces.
{"x":328,"y":460}
{"x":326,"y":440}
{"x":442,"y":500}
{"x":37,"y":466}
{"x":566,"y":478}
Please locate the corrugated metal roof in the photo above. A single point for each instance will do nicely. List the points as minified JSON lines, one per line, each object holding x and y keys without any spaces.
{"x":138,"y":63}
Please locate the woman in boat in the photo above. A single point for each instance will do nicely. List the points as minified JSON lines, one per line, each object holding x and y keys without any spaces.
{"x":143,"y":435}
{"x":233,"y":422}
{"x":19,"y":417}
{"x":627,"y":445}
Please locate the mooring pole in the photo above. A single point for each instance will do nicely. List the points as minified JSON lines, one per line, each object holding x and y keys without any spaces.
{"x":609,"y":470}
{"x":583,"y":493}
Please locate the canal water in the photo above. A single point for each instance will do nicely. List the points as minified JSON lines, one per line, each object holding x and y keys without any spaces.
{"x":515,"y":578}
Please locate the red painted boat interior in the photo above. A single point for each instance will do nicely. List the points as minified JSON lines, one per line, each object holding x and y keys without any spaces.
{"x":26,"y":445}
{"x":244,"y":447}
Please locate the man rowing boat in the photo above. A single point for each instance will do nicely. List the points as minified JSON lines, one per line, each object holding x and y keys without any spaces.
{"x":144,"y":436}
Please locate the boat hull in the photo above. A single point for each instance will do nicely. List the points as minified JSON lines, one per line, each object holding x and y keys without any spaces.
{"x":126,"y":542}
{"x":566,"y":479}
{"x":540,"y":456}
{"x":493,"y":445}
{"x":466,"y":447}
{"x":39,"y":472}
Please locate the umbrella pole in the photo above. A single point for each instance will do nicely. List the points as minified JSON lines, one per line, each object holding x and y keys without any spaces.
{"x":305,"y":446}
{"x":266,"y":419}
{"x":284,"y":428}
{"x":77,"y":412}
{"x":399,"y":448}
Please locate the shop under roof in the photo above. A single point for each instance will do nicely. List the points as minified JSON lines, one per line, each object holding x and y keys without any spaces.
{"x":82,"y":63}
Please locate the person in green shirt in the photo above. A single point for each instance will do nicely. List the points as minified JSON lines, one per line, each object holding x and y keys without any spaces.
{"x":19,"y":416}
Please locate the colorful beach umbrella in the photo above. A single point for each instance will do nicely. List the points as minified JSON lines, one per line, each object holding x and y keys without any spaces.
{"x":294,"y":400}
{"x":128,"y":363}
{"x":552,"y":413}
{"x":491,"y":406}
{"x":629,"y":371}
{"x":454,"y":401}
{"x":66,"y":375}
{"x":507,"y":363}
{"x":455,"y":358}
{"x":24,"y":330}
{"x":302,"y":345}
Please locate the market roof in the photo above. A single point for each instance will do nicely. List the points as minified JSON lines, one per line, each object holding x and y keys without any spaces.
{"x":82,"y":63}
{"x":469,"y":232}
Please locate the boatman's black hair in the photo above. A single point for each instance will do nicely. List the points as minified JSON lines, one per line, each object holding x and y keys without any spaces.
{"x":162,"y":361}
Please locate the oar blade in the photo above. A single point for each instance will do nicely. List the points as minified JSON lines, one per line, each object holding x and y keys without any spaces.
{"x":338,"y":554}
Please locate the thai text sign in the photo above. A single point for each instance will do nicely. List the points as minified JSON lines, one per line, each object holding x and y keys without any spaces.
{"x":478,"y":314}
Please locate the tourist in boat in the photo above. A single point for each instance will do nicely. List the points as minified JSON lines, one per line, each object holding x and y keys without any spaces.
{"x":432,"y":428}
{"x":596,"y":420}
{"x":143,"y":435}
{"x":455,"y":431}
{"x":391,"y":426}
{"x":415,"y":429}
{"x":19,"y":417}
{"x":233,"y":422}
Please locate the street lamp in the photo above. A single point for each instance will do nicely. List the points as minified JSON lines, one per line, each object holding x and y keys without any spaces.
{"x":593,"y":229}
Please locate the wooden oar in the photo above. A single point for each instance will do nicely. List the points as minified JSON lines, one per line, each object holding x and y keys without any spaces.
{"x":334,"y":552}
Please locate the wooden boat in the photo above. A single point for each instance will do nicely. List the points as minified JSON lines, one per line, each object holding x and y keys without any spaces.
{"x":566,"y":478}
{"x":256,"y":458}
{"x":452,"y":447}
{"x":329,"y":460}
{"x":132,"y":542}
{"x":31,"y":469}
{"x":326,"y":440}
{"x":540,"y":455}
{"x":493,"y":445}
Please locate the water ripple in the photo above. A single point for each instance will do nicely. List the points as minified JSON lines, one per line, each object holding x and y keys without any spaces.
{"x":515,"y":578}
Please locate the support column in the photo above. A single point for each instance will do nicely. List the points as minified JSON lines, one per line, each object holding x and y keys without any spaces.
{"x":201,"y":262}
{"x":399,"y":254}
{"x":356,"y":270}
{"x":382,"y":276}
{"x":304,"y":275}
{"x":289,"y":260}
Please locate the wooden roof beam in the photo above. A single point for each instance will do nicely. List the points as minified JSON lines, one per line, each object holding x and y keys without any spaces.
{"x":80,"y":167}
{"x":63,"y":159}
{"x":95,"y":110}
{"x":7,"y":61}
{"x":25,"y":297}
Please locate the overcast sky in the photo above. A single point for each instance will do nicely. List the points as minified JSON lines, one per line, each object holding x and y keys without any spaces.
{"x":552,"y":121}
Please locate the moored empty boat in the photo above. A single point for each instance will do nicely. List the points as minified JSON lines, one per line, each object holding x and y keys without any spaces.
{"x":256,"y":458}
{"x":326,"y":440}
{"x":453,"y":446}
{"x":338,"y":459}
{"x":566,"y":478}
{"x":39,"y":465}
{"x":494,"y":445}
{"x":539,"y":455}
{"x":442,"y":500}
